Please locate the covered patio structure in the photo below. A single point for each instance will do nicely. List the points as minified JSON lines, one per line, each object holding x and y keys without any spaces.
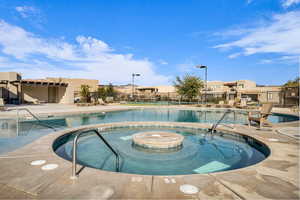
{"x":42,"y":91}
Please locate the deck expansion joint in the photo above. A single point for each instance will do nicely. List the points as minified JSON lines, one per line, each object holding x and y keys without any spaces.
{"x":227,"y":187}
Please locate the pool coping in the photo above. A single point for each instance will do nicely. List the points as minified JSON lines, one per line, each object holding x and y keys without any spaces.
{"x":280,"y":166}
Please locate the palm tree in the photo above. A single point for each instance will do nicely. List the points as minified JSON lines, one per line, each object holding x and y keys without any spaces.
{"x":85,"y":93}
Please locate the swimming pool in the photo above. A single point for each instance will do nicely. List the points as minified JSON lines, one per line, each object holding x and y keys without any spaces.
{"x":200,"y":153}
{"x":30,"y":130}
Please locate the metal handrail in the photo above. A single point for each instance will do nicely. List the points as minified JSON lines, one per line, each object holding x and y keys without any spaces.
{"x":74,"y":152}
{"x":214,"y":126}
{"x":33,"y":115}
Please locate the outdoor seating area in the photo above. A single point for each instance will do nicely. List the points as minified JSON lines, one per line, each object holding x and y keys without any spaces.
{"x":262,"y":116}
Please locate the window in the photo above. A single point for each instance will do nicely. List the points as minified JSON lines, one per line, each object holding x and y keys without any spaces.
{"x":270,"y":95}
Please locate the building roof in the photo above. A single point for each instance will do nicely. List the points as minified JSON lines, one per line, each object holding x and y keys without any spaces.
{"x":230,"y":83}
{"x":43,"y":82}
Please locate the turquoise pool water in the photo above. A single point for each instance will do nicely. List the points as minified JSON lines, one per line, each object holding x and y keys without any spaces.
{"x":200,"y":152}
{"x":30,"y":130}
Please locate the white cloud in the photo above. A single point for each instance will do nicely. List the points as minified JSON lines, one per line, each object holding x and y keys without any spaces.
{"x":163,"y":62}
{"x":266,"y":61}
{"x":187,"y":67}
{"x":234,"y":55}
{"x":283,"y":59}
{"x":21,"y":44}
{"x":280,"y":35}
{"x":249,"y":1}
{"x":32,"y":15}
{"x":290,"y":58}
{"x":92,"y":46}
{"x":284,"y":3}
{"x":128,"y":47}
{"x":26,"y":11}
{"x":37,"y":57}
{"x":288,"y":3}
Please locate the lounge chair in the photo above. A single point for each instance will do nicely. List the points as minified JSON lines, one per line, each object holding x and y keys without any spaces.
{"x":295,"y":109}
{"x":101,"y":102}
{"x":262,"y":117}
{"x":2,"y":105}
{"x":231,"y":102}
{"x":242,"y":104}
{"x":36,"y":102}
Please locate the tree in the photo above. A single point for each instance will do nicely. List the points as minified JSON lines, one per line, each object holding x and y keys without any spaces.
{"x":101,"y":93}
{"x":293,"y":83}
{"x":110,"y":92}
{"x":107,"y":91}
{"x":291,"y":88}
{"x":85,"y":93}
{"x":189,"y":86}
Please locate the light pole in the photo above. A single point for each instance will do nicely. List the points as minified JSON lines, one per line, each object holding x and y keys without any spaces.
{"x":133,"y":75}
{"x":204,"y":67}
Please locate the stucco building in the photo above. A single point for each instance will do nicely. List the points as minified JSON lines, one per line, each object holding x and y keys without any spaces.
{"x":244,"y":89}
{"x":15,"y":90}
{"x":162,"y":91}
{"x":224,"y":90}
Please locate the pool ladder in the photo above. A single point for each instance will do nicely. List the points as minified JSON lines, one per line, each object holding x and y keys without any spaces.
{"x":74,"y":151}
{"x":214,"y":126}
{"x":33,"y":115}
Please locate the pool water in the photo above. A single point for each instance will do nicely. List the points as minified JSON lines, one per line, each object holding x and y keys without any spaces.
{"x":30,"y":130}
{"x":200,"y":152}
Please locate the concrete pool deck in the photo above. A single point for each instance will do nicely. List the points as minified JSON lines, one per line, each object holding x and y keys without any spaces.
{"x":65,"y":109}
{"x":60,"y":109}
{"x":277,"y":177}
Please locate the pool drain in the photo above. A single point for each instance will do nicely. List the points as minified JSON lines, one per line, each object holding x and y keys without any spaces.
{"x":49,"y":167}
{"x":189,"y":189}
{"x":38,"y":162}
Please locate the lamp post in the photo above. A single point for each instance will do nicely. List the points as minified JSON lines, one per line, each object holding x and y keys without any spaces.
{"x":204,"y":67}
{"x":133,"y":75}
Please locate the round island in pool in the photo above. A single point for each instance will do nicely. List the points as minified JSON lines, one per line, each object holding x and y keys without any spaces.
{"x":157,"y":140}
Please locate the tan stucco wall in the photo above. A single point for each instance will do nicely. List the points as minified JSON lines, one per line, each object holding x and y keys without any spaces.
{"x":66,"y":95}
{"x":124,"y":89}
{"x":63,"y":95}
{"x":217,"y":86}
{"x":76,"y":83}
{"x":245,"y":84}
{"x":31,"y":93}
{"x":273,"y":97}
{"x":165,"y":88}
{"x":10,"y":76}
{"x":13,"y":91}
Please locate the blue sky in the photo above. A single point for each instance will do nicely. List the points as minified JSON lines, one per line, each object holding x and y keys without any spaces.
{"x":108,"y":40}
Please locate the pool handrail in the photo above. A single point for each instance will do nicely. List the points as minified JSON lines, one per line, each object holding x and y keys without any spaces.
{"x":34,"y":116}
{"x":74,"y":150}
{"x":214,"y":126}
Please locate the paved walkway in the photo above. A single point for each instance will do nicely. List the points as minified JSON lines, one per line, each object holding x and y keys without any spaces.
{"x":61,"y":109}
{"x":290,"y":131}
